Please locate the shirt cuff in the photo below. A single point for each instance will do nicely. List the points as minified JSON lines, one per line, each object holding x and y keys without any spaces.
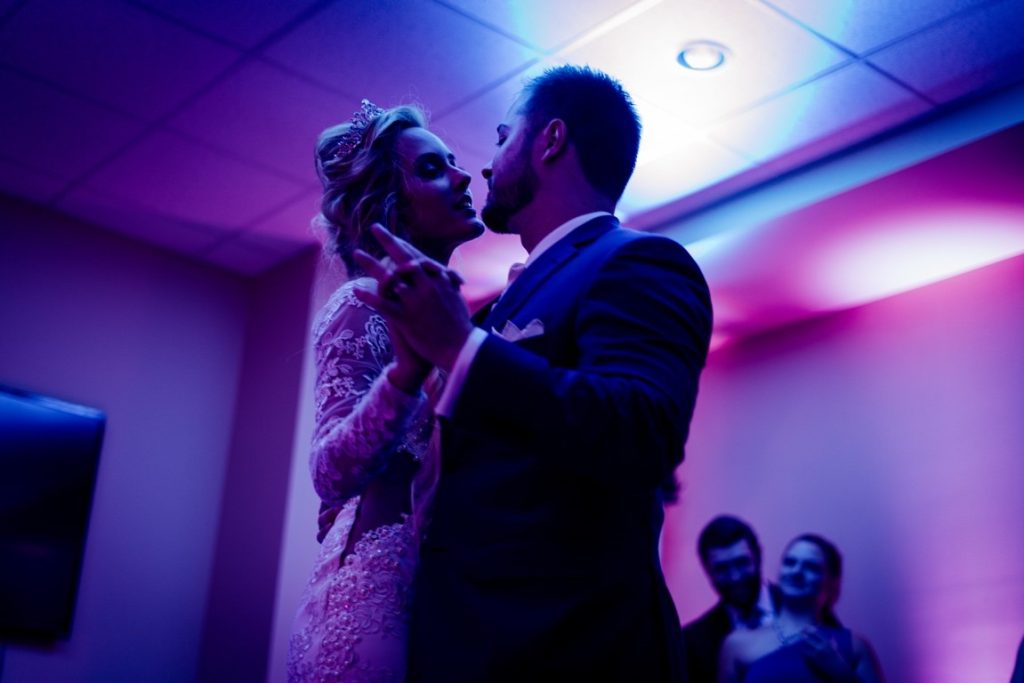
{"x":457,"y":377}
{"x":398,"y":396}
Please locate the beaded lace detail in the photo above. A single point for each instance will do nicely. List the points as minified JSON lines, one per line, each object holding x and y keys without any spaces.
{"x":353,"y":617}
{"x":361,"y":418}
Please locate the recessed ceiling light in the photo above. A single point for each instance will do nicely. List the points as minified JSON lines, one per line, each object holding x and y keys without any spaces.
{"x":702,"y":55}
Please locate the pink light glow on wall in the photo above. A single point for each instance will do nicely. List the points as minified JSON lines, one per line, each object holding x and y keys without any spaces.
{"x":867,"y":383}
{"x":949,"y":215}
{"x":893,"y":429}
{"x":911,"y":249}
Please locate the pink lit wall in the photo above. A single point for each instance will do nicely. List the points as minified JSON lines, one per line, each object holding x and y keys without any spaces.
{"x":895,"y":429}
{"x":198,"y":372}
{"x":298,"y":538}
{"x":239,"y":614}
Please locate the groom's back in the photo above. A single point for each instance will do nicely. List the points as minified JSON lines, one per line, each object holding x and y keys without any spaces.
{"x":541,"y":561}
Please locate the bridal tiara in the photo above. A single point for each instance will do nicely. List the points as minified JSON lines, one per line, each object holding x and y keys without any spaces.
{"x":368,"y":113}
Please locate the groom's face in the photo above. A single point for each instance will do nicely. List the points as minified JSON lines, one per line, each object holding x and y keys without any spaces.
{"x":511,"y":181}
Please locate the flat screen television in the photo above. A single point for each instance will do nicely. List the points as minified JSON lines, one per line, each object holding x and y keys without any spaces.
{"x":49,"y":455}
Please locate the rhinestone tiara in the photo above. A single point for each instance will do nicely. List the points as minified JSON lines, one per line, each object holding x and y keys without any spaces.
{"x":368,"y":113}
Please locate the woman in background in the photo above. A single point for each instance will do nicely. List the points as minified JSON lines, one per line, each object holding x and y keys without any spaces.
{"x":799,"y":645}
{"x":373,"y":396}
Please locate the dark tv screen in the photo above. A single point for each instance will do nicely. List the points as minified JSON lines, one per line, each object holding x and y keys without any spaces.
{"x":49,"y":454}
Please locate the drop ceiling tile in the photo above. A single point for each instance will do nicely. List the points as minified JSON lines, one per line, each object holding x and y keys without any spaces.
{"x":397,"y":51}
{"x":822,"y":116}
{"x":541,"y":23}
{"x":472,"y":126}
{"x":242,"y":22}
{"x":285,"y":247}
{"x":27,"y":183}
{"x":968,"y":53}
{"x":112,"y":52}
{"x":139,"y":222}
{"x":177,"y":177}
{"x":689,"y":166}
{"x":264,"y":114}
{"x":251,"y":254}
{"x":292,"y":222}
{"x":54,"y":133}
{"x":861,"y":25}
{"x":662,"y":132}
{"x":767,"y":55}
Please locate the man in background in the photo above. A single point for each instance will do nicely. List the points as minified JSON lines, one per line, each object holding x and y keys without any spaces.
{"x":731,"y":556}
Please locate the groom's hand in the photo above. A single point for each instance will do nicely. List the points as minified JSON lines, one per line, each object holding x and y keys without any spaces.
{"x":420,"y":297}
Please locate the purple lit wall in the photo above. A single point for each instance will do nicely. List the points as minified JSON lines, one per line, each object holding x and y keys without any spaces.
{"x":198,"y":372}
{"x":240,"y":606}
{"x":156,"y":342}
{"x":298,"y":541}
{"x":893,"y":427}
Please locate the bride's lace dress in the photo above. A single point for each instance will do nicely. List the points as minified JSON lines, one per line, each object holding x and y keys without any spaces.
{"x":353,"y":617}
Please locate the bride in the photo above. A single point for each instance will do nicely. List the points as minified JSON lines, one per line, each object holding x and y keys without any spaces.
{"x":371,"y":457}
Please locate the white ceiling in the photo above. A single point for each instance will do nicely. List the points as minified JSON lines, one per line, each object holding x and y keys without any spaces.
{"x":190,"y":123}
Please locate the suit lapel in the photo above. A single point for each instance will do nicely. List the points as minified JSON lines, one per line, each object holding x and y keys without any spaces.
{"x":549,"y":263}
{"x":480,"y":316}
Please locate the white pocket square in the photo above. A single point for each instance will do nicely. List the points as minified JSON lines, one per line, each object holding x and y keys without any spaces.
{"x":511,"y":331}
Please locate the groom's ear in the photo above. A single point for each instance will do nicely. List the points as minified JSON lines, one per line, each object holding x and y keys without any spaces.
{"x":555,"y":140}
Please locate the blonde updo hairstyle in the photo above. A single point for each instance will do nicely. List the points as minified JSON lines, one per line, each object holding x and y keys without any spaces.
{"x":365,"y":185}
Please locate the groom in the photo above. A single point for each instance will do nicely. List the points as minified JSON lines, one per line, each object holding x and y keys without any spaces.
{"x":565,"y":413}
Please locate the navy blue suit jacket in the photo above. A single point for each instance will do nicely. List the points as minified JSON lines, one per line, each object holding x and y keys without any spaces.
{"x":702,"y":642}
{"x":541,"y":560}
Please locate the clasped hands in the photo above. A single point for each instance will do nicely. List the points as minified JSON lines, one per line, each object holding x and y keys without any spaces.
{"x":420,"y":299}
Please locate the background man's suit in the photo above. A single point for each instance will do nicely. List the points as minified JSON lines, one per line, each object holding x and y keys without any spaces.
{"x":702,"y":640}
{"x":541,"y":558}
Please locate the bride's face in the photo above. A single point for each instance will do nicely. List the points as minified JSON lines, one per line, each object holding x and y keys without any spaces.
{"x":439,"y":213}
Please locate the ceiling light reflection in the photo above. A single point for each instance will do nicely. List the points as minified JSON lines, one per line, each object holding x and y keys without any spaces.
{"x":702,"y":55}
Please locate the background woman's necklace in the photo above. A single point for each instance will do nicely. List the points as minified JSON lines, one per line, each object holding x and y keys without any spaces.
{"x":783,"y":638}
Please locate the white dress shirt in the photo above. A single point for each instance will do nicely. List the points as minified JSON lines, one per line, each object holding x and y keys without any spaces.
{"x":457,"y":376}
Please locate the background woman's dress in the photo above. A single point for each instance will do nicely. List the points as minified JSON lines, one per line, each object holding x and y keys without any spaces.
{"x":788,"y":665}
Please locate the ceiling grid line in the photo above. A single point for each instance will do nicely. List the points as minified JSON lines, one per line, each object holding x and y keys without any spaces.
{"x":163,"y":122}
{"x":486,"y":89}
{"x":489,"y":26}
{"x":948,"y":19}
{"x":281,"y":206}
{"x":141,"y":6}
{"x":202,"y":115}
{"x":855,"y":56}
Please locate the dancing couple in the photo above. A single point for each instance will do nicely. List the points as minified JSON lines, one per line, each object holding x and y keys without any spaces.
{"x":493,"y":487}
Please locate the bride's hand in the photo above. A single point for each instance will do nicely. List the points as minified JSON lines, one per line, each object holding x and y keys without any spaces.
{"x":410,"y":369}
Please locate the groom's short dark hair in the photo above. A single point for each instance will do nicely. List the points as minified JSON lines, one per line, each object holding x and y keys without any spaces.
{"x":600,"y":118}
{"x":724,"y":531}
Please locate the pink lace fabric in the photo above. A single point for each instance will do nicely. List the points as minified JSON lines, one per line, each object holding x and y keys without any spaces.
{"x":352,"y":621}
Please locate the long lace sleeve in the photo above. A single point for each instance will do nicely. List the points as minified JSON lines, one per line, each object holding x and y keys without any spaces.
{"x":361,"y":418}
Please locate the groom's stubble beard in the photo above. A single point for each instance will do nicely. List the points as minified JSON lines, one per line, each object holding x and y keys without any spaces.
{"x":504,"y":202}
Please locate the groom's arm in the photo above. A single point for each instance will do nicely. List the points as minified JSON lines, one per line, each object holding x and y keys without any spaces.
{"x":642,"y":333}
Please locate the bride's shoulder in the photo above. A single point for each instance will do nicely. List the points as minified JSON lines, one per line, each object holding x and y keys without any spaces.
{"x":341,"y":302}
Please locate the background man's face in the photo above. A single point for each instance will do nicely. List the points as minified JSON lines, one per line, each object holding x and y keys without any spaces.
{"x":734,"y":573}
